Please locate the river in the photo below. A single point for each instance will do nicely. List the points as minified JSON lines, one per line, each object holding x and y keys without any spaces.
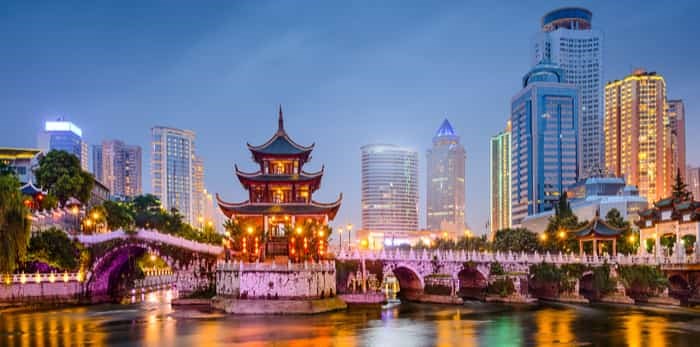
{"x":151,"y":321}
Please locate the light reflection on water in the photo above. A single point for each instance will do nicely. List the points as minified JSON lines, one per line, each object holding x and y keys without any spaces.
{"x":153,"y":322}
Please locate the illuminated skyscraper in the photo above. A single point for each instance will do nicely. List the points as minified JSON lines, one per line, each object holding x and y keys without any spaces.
{"x":389,"y":193}
{"x":638,"y":136}
{"x":499,"y":181}
{"x":692,"y":179}
{"x":198,"y":191}
{"x":568,"y":40}
{"x":172,"y":169}
{"x":445,"y":196}
{"x":545,"y":142}
{"x":118,"y":166}
{"x":676,"y":121}
{"x":62,"y":135}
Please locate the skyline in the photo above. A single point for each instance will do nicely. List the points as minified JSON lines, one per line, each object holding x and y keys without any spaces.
{"x":401,"y":80}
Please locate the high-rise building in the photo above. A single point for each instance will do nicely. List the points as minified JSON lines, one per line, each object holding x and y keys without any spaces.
{"x":389,"y":194}
{"x":692,"y":179}
{"x":62,"y":135}
{"x":198,"y":191}
{"x":676,"y":121}
{"x":638,"y":141}
{"x":172,"y":156}
{"x":568,"y":39}
{"x":446,"y":181}
{"x":120,"y":166}
{"x":544,"y":139}
{"x":499,"y":181}
{"x":97,"y":166}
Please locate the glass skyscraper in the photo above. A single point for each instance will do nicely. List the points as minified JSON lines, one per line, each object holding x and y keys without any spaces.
{"x":445,"y":188}
{"x":61,"y":135}
{"x":568,"y":40}
{"x":172,"y":169}
{"x":389,"y":194}
{"x":499,"y":177}
{"x":544,"y":139}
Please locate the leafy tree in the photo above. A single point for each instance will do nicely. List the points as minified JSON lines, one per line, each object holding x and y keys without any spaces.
{"x":516,"y":240}
{"x":627,"y":241}
{"x":118,"y":215}
{"x":60,"y":173}
{"x":679,"y":188}
{"x":15,"y":225}
{"x":53,"y":247}
{"x":558,"y":236}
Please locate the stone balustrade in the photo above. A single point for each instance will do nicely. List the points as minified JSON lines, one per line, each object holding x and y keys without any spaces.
{"x":43,"y":287}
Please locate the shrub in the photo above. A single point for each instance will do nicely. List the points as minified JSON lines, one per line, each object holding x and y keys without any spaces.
{"x":502,"y":287}
{"x":53,"y":247}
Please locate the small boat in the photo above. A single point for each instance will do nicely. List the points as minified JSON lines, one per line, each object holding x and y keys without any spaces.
{"x":390,"y":287}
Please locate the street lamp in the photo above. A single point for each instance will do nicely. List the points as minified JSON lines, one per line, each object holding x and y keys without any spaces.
{"x":340,"y":241}
{"x":349,"y":227}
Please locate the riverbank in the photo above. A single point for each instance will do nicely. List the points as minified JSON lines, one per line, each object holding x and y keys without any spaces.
{"x":277,"y":307}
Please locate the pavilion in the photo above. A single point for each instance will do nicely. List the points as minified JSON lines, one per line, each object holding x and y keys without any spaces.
{"x":597,"y":231}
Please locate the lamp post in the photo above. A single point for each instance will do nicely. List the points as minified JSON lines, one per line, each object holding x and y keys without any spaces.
{"x":349,"y":234}
{"x":340,"y":241}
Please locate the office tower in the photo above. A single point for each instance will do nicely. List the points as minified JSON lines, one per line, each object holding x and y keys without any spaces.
{"x":198,"y":191}
{"x":62,"y":135}
{"x":499,"y":181}
{"x":568,"y":40}
{"x":692,"y":179}
{"x":638,"y":135}
{"x":389,"y":193}
{"x":446,"y":181}
{"x":121,"y":167}
{"x":97,"y":166}
{"x":675,"y":112}
{"x":172,"y":155}
{"x":544,"y":139}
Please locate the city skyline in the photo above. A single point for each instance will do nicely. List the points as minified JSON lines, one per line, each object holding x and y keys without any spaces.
{"x":449,"y":85}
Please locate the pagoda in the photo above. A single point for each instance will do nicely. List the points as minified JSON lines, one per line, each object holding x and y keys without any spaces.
{"x":279,"y":196}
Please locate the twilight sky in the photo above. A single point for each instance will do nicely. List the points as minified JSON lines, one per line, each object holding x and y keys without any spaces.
{"x":347,"y":73}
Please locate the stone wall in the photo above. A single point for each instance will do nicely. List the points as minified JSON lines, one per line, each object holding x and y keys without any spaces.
{"x":58,"y":291}
{"x":263,"y":281}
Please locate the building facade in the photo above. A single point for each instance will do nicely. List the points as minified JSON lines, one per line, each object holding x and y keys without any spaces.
{"x":545,"y":142}
{"x":499,"y":181}
{"x":446,"y":181}
{"x":692,"y":179}
{"x":172,"y":155}
{"x":568,"y":40}
{"x":675,"y":111}
{"x":22,"y":161}
{"x":638,"y":135}
{"x":118,"y":166}
{"x":198,"y":191}
{"x":389,"y":194}
{"x":62,"y":135}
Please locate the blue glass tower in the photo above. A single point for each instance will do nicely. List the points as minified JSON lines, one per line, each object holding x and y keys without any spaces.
{"x":545,"y":153}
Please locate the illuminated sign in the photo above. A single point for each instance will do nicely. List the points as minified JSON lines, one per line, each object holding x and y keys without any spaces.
{"x":63,"y":126}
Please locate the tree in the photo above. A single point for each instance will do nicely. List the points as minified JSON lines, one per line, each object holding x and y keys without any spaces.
{"x":15,"y":226}
{"x":627,"y":241}
{"x":60,"y":174}
{"x":516,"y":240}
{"x":558,"y":237}
{"x":118,"y":215}
{"x":679,"y":188}
{"x":53,"y":247}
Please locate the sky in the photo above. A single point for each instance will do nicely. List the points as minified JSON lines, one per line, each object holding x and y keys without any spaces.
{"x":347,"y":73}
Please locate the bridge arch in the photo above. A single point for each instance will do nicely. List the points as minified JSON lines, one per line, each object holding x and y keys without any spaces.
{"x":409,"y":278}
{"x":106,"y":271}
{"x":678,"y":286}
{"x":472,"y":282}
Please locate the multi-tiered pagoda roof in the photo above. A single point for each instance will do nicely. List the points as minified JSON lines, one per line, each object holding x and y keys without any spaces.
{"x":280,"y":187}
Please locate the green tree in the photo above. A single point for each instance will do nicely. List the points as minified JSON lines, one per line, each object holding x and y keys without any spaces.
{"x":516,"y":240}
{"x":15,"y":225}
{"x":53,"y":247}
{"x":558,"y":236}
{"x":627,"y":241}
{"x":59,"y":172}
{"x":118,"y":215}
{"x":679,"y":188}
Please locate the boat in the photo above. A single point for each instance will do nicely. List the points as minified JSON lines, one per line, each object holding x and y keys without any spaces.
{"x":390,"y":287}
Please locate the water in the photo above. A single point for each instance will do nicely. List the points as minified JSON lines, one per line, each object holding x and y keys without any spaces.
{"x":153,"y":322}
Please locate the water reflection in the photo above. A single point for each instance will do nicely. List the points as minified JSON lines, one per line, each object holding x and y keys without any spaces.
{"x":153,"y":322}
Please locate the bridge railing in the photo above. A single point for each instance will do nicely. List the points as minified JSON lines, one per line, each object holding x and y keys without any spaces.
{"x":324,"y":265}
{"x":53,"y":277}
{"x":151,"y":235}
{"x":509,"y":257}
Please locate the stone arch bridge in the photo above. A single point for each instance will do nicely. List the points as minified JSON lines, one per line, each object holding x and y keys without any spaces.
{"x":192,"y":263}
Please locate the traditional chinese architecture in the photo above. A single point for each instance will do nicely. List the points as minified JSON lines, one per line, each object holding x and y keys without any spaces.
{"x":280,"y":198}
{"x":671,"y":217}
{"x":597,"y":232}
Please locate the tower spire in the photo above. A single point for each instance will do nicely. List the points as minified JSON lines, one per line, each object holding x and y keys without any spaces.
{"x":280,"y":121}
